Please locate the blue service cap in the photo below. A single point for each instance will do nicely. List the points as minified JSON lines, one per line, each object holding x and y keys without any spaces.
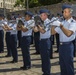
{"x":65,"y":6}
{"x":29,"y":13}
{"x":44,"y":11}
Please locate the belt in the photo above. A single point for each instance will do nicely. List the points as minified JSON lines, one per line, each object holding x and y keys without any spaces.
{"x":45,"y":39}
{"x":61,"y":43}
{"x":26,"y":36}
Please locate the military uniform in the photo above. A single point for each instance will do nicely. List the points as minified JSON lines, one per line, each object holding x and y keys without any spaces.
{"x":19,"y":39}
{"x":66,"y":48}
{"x":25,"y":43}
{"x":37,"y":34}
{"x":45,"y":45}
{"x":1,"y":35}
{"x":13,"y":42}
{"x":7,"y":39}
{"x":36,"y":41}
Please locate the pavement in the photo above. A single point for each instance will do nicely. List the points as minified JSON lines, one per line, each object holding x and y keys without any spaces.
{"x":7,"y":68}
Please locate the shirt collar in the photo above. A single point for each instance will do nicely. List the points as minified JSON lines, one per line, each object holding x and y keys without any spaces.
{"x":69,"y":21}
{"x":28,"y":20}
{"x":46,"y":20}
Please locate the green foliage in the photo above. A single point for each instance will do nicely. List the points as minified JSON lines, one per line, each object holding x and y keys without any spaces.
{"x":35,"y":3}
{"x":19,"y":2}
{"x":48,"y":2}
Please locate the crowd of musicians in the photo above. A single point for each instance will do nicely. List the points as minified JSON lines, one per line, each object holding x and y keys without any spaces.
{"x":40,"y":29}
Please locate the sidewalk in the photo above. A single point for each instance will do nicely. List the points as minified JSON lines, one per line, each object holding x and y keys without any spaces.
{"x":7,"y":68}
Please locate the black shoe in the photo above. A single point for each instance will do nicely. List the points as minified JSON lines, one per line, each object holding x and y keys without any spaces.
{"x":46,"y":74}
{"x":1,"y":51}
{"x":25,"y":68}
{"x":13,"y":61}
{"x":8,"y":56}
{"x":56,"y":51}
{"x":51,"y":57}
{"x":36,"y":53}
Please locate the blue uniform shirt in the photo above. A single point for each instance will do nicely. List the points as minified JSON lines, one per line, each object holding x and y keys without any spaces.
{"x":28,"y":25}
{"x":70,"y":25}
{"x":2,"y":23}
{"x":13,"y":26}
{"x":47,"y":29}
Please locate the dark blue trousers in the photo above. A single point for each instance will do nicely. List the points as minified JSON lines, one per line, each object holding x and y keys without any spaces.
{"x":74,"y":43}
{"x":57,"y":41}
{"x":25,"y":46}
{"x":1,"y":40}
{"x":66,"y":59}
{"x":13,"y":43}
{"x":19,"y":38}
{"x":7,"y":38}
{"x":45,"y":55}
{"x":36,"y":41}
{"x":51,"y":48}
{"x":32,"y":38}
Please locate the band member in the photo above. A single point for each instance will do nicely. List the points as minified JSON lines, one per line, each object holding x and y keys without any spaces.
{"x":26,"y":39}
{"x":1,"y":34}
{"x":45,"y":42}
{"x":7,"y":38}
{"x":19,"y":33}
{"x":66,"y":31}
{"x":13,"y":39}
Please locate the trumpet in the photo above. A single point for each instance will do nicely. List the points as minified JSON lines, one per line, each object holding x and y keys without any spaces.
{"x":48,"y":25}
{"x":28,"y":26}
{"x":38,"y":21}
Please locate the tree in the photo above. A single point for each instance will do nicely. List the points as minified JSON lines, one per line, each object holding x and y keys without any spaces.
{"x":35,"y":3}
{"x":67,"y":0}
{"x":48,"y":2}
{"x":19,"y":2}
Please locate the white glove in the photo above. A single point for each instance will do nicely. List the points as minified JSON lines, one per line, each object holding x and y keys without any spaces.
{"x":56,"y":23}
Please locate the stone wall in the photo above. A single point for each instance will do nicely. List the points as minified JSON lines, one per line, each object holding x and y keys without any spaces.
{"x":54,"y":9}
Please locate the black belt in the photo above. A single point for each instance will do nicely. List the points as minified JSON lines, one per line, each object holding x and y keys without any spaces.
{"x":61,"y":43}
{"x":26,"y":36}
{"x":45,"y":39}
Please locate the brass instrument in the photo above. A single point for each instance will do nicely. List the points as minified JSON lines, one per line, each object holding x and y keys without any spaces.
{"x":28,"y":26}
{"x":38,"y":21}
{"x":20,"y":23}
